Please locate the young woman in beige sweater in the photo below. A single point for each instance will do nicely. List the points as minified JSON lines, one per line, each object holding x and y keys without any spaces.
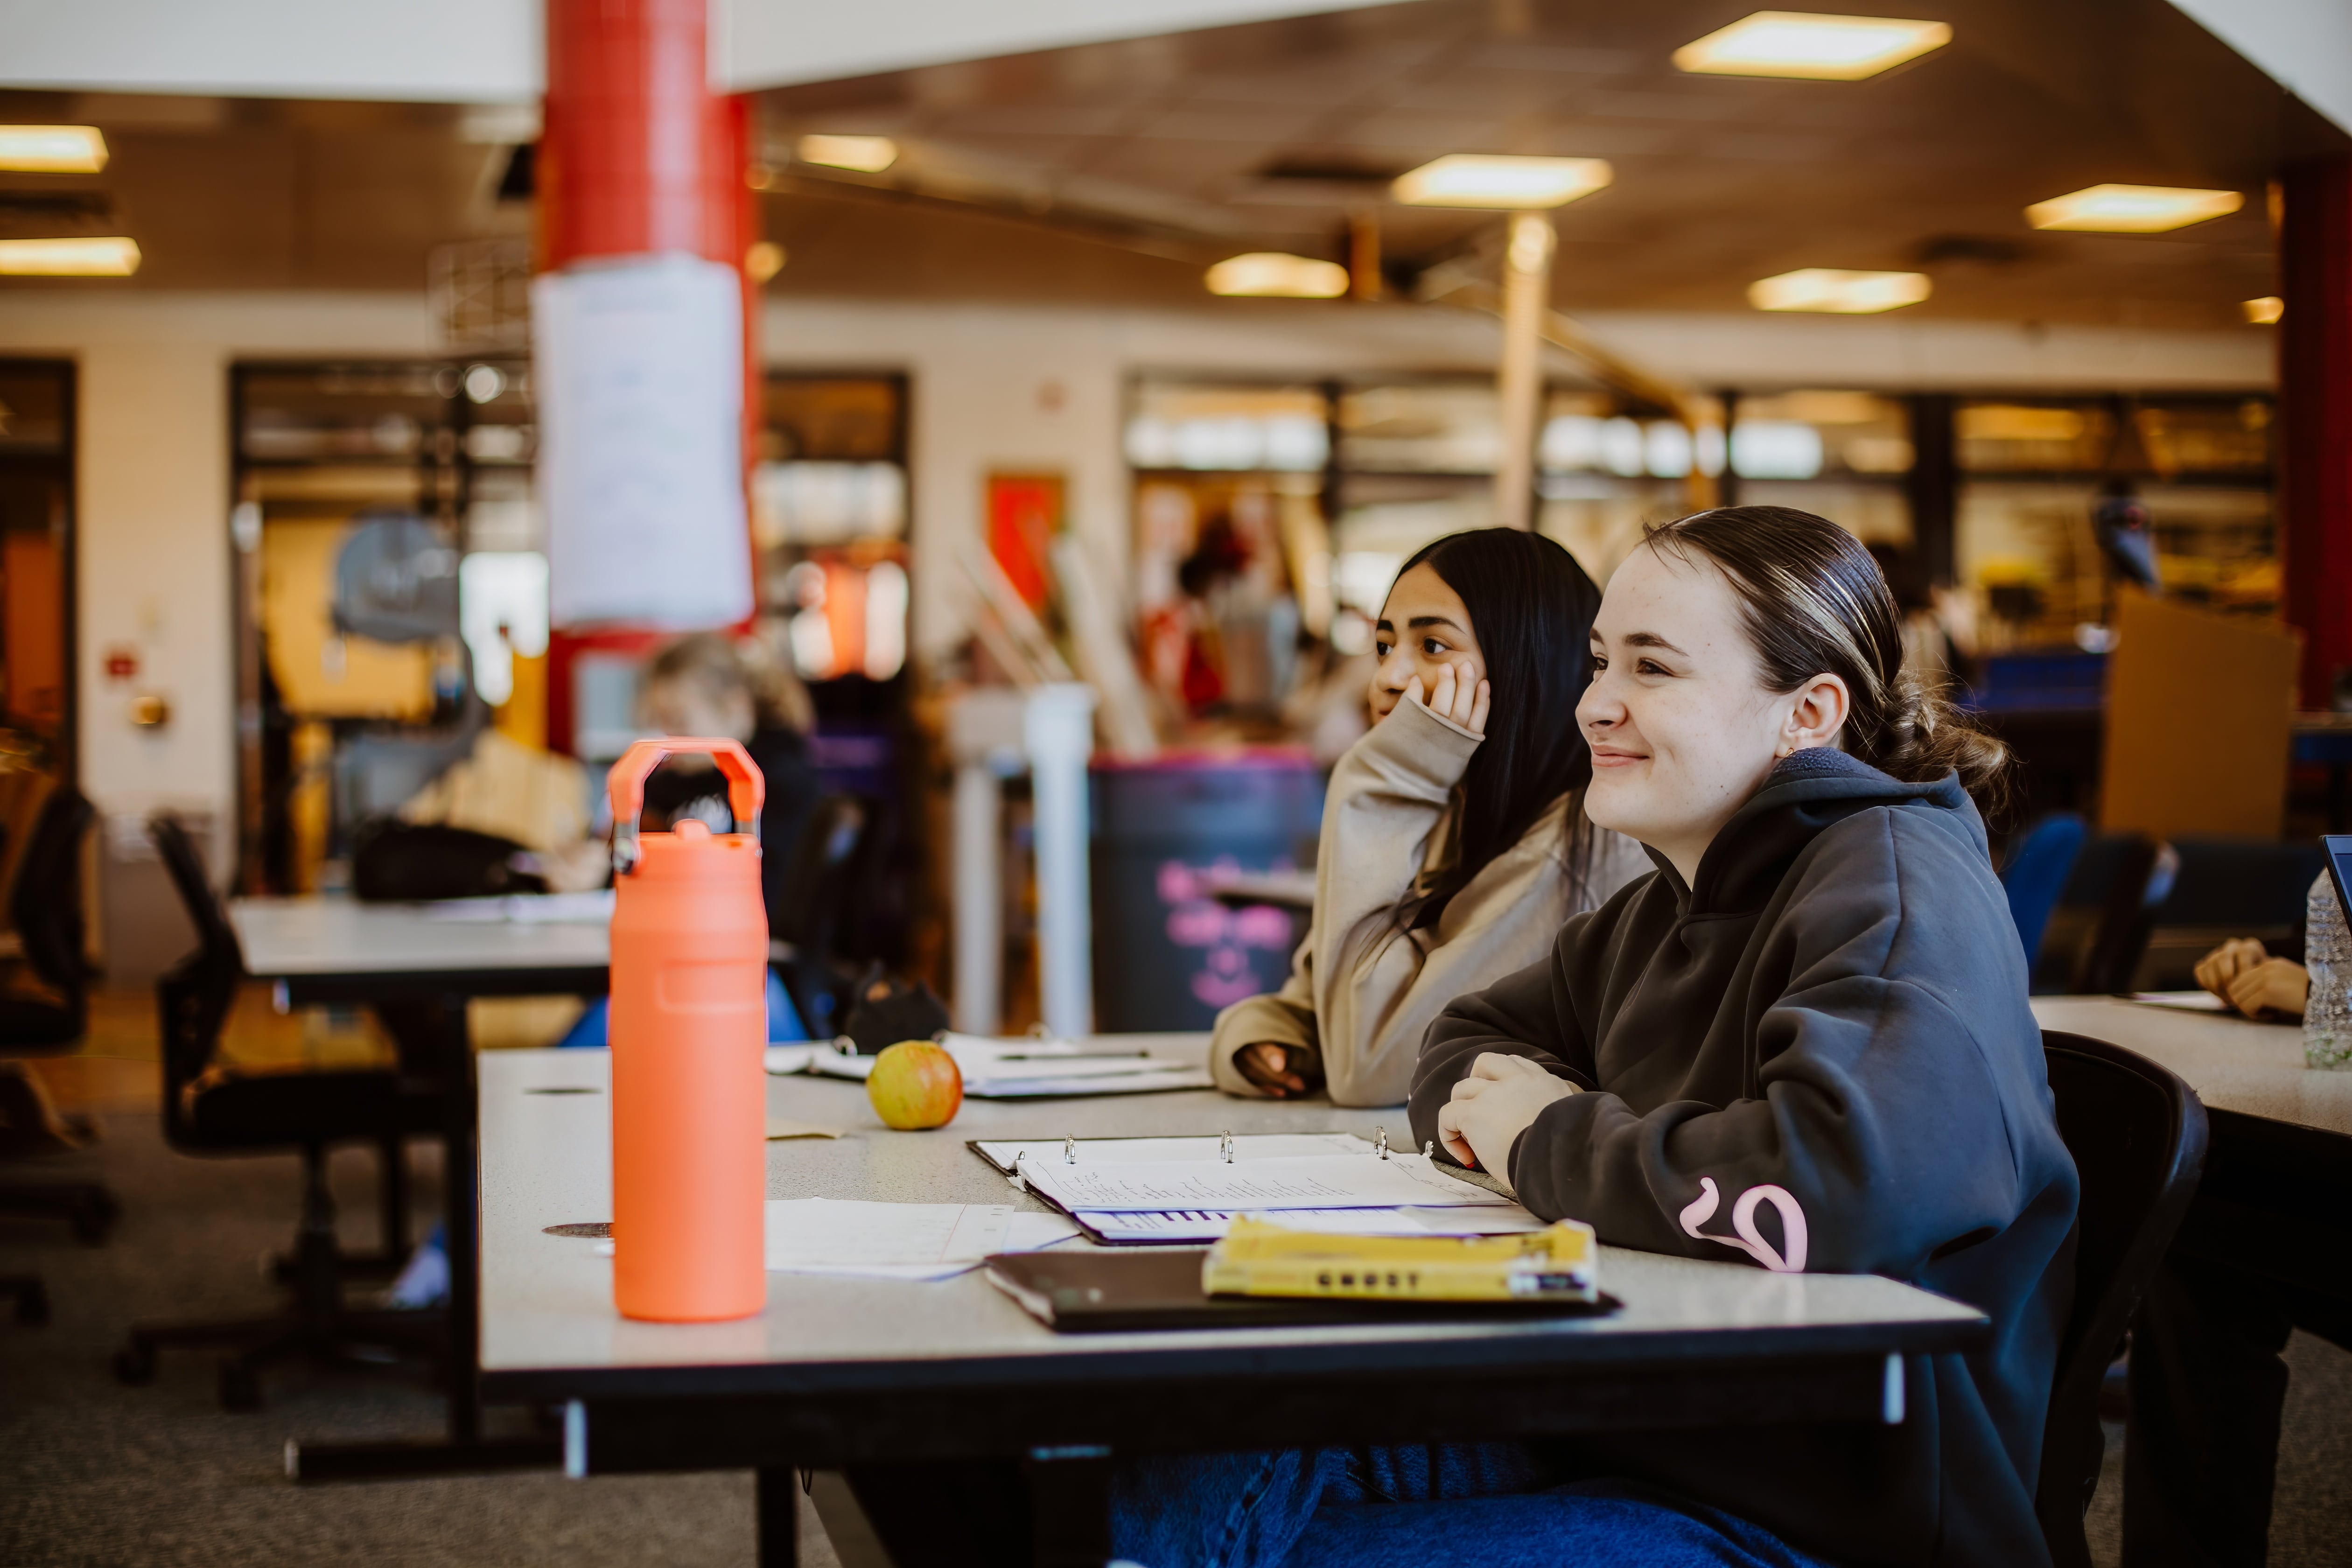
{"x":1454,"y":843}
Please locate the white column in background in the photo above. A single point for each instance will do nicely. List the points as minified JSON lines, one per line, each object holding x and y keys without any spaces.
{"x":1527,"y":295}
{"x":1059,"y":729}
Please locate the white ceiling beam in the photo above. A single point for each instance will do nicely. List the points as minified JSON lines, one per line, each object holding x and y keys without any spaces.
{"x":778,"y":43}
{"x":2305,"y":45}
{"x":428,"y":51}
{"x":487,"y":51}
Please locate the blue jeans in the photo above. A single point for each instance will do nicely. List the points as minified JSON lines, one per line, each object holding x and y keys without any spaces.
{"x":1486,"y":1503}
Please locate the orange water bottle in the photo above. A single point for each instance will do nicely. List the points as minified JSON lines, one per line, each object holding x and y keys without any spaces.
{"x":688,"y":1024}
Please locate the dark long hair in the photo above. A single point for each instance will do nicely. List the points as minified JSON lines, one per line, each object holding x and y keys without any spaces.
{"x":1814,"y":603}
{"x":1531,"y":609}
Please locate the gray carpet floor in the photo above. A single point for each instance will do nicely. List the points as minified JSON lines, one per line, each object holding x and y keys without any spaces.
{"x":93,"y":1473}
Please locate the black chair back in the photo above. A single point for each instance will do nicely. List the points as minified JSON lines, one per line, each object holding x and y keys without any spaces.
{"x":2142,"y":882}
{"x":194,"y":998}
{"x":46,"y":903}
{"x":821,"y":865}
{"x":2138,"y":1136}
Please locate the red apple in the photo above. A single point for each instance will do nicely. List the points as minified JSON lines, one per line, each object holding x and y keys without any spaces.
{"x":914,"y":1085}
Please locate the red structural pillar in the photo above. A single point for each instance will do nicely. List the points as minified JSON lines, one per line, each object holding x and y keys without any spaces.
{"x":638,"y":156}
{"x":2314,"y":475}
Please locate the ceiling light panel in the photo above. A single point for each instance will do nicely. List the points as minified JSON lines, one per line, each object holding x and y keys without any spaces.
{"x":1273,"y":274}
{"x":865,"y":154}
{"x":94,"y":257}
{"x":1839,"y":293}
{"x":2132,"y":209}
{"x":52,"y":149}
{"x":1475,"y":180}
{"x":1810,"y":45}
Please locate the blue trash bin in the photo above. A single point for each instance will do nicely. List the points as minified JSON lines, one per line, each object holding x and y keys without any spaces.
{"x":1168,"y":954}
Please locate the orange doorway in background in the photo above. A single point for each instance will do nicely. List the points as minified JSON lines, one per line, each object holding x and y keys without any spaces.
{"x":1024,"y":513}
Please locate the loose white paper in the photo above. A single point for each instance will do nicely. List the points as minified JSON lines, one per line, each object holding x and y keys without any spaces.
{"x":640,"y":373}
{"x":1317,"y":1182}
{"x":900,"y":1241}
{"x":1037,"y":1069}
{"x":2186,"y":1000}
{"x":1211,"y":1224}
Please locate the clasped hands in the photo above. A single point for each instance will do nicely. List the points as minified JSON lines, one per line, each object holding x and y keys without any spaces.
{"x":1499,"y":1099}
{"x":2241,"y":973}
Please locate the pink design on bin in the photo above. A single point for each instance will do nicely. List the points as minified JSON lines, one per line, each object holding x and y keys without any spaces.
{"x":1196,"y":918}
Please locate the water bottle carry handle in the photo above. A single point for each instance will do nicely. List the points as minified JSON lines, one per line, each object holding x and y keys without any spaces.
{"x":746,"y":790}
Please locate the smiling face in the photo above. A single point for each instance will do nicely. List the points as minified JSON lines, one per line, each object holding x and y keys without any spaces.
{"x":1424,"y":629}
{"x":1681,"y":726}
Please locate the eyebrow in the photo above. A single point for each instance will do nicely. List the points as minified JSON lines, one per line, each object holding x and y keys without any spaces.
{"x":1434,"y":621}
{"x":1646,"y":639}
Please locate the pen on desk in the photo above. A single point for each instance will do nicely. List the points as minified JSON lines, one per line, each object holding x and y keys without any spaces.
{"x":1066,"y":1056}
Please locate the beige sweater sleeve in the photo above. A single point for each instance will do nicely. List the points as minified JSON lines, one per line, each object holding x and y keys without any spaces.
{"x":1387,"y":795}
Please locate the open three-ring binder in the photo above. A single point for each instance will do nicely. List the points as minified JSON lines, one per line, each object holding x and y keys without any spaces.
{"x":1163,"y":1191}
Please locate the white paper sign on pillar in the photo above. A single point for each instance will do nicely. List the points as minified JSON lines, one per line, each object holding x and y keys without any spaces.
{"x":639,"y":364}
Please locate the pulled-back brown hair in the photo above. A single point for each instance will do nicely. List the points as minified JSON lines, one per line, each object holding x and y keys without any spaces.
{"x":722,"y":666}
{"x":1814,"y":603}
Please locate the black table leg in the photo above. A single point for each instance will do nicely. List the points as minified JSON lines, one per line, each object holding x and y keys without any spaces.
{"x":465,"y":1448}
{"x":1069,"y":1506}
{"x":779,"y":1505}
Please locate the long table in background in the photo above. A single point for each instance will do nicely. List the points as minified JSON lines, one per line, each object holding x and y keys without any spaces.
{"x":2271,"y":1202}
{"x":2270,"y":1206}
{"x":423,"y":969}
{"x":840,"y":1371}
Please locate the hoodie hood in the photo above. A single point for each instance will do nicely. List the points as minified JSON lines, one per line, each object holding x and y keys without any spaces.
{"x":1806,"y":793}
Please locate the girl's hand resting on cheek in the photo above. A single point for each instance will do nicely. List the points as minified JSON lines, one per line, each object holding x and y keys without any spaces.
{"x":1499,"y":1101}
{"x":1459,"y":697}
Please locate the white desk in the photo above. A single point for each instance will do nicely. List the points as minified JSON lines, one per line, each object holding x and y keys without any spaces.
{"x":319,"y":937}
{"x":840,"y":1371}
{"x":2233,"y":1063}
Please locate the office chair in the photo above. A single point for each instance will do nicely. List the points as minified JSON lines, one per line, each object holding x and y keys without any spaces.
{"x":212,"y":1107}
{"x":47,"y":1010}
{"x":2036,"y":872}
{"x":2141,"y":881}
{"x":2138,"y":1136}
{"x":824,"y":864}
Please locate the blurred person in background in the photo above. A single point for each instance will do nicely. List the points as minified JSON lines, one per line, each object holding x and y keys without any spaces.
{"x":1455,"y":842}
{"x":711,"y":687}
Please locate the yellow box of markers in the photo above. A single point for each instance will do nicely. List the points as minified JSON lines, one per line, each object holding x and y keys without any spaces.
{"x":1260,"y":1257}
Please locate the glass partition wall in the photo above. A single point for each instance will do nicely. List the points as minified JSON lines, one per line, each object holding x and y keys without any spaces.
{"x":1271,"y":516}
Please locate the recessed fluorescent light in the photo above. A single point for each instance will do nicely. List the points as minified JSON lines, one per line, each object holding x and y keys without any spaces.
{"x":2132,"y":209}
{"x":2264,"y":311}
{"x":1844,"y":293}
{"x":1472,"y":180}
{"x":52,"y":149}
{"x":1805,"y":44}
{"x":866,"y":155}
{"x":1276,"y":274}
{"x":114,"y":257}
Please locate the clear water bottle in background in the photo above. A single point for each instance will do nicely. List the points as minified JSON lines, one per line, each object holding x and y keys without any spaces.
{"x":2327,"y":955}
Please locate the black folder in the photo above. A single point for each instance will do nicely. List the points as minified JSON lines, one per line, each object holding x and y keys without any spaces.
{"x":1084,"y":1291}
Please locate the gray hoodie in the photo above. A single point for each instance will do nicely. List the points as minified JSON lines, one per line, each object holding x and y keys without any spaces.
{"x":1361,"y":994}
{"x":1819,"y":1057}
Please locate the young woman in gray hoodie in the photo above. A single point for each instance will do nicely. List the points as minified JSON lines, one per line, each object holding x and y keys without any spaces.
{"x":1455,"y":840}
{"x":1802,"y":1044}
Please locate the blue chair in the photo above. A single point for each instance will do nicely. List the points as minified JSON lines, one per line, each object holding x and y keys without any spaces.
{"x":2036,"y":874}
